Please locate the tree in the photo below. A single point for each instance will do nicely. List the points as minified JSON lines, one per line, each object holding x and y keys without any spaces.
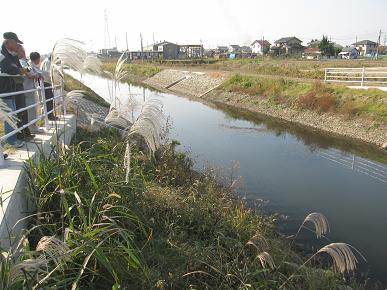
{"x":326,"y":47}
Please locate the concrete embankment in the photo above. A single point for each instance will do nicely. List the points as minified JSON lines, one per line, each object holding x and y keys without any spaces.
{"x":194,"y":84}
{"x":13,"y":182}
{"x":205,"y":86}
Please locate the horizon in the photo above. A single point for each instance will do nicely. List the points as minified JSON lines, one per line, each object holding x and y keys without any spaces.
{"x":216,"y":23}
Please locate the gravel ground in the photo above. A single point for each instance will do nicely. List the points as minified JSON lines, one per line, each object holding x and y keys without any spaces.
{"x":165,"y":78}
{"x":82,"y":107}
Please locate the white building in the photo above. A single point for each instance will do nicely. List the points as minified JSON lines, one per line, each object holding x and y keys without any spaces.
{"x":260,"y":46}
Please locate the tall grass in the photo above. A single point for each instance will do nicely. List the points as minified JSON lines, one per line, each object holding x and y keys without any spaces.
{"x":167,"y":228}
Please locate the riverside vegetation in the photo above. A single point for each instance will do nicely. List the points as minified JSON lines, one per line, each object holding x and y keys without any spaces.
{"x":121,"y":208}
{"x":168,"y":227}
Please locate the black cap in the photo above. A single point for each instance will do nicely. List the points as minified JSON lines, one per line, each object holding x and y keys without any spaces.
{"x":12,"y":35}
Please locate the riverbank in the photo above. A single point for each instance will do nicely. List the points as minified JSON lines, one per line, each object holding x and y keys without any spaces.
{"x":353,"y":113}
{"x":168,"y":227}
{"x":362,"y":129}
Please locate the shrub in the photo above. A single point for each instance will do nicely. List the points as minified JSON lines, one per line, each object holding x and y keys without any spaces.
{"x":319,"y":97}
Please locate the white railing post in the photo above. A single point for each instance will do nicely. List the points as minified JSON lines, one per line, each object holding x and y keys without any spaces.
{"x":362,"y":76}
{"x":2,"y":162}
{"x":64,"y":105}
{"x":43,"y":95}
{"x":325,"y":79}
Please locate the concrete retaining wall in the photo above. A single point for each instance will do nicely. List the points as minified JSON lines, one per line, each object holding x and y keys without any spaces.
{"x":194,"y":84}
{"x":13,"y":180}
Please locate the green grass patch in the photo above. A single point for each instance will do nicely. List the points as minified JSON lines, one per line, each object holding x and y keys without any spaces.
{"x":134,"y":69}
{"x":73,"y":84}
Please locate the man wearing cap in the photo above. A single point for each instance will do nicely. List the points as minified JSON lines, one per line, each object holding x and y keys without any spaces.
{"x":10,"y":65}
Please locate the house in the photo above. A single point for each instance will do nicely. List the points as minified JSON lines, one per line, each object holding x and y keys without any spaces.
{"x":234,"y":48}
{"x":109,"y":53}
{"x":191,"y":51}
{"x":366,"y":47}
{"x":133,"y":55}
{"x":245,"y":49}
{"x":349,"y":53}
{"x":289,"y":45}
{"x":221,"y":49}
{"x":168,"y":49}
{"x":260,"y":46}
{"x":209,"y":52}
{"x":312,"y":53}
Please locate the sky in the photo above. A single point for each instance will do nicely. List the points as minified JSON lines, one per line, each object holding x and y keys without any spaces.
{"x":212,"y":23}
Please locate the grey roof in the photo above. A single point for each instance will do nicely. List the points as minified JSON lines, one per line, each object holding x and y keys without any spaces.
{"x":164,"y":43}
{"x":364,"y":42}
{"x":287,"y":39}
{"x":348,"y":49}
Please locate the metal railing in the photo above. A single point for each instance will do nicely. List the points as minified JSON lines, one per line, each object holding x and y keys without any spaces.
{"x":40,"y":90}
{"x":370,"y":76}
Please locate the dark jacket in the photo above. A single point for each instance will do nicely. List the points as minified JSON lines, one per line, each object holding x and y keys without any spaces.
{"x":9,"y":65}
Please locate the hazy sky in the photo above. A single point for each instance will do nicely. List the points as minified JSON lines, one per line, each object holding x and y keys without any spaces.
{"x":218,"y":22}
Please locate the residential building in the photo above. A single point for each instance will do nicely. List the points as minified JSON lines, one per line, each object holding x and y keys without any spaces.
{"x":109,"y":53}
{"x":289,"y":45}
{"x":191,"y":51}
{"x":260,"y":46}
{"x":170,"y":50}
{"x":221,"y":49}
{"x":312,"y":53}
{"x":349,"y":53}
{"x":133,"y":55}
{"x":245,"y":49}
{"x":234,"y":48}
{"x":366,"y":47}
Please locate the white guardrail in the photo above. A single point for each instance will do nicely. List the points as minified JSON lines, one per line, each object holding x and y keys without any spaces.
{"x":375,"y":76}
{"x":40,"y":89}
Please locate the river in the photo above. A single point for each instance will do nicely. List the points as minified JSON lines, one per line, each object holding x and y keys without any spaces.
{"x":285,"y":169}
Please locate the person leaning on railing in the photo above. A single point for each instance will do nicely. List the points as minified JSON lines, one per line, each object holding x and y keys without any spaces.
{"x":10,"y":65}
{"x":45,"y":68}
{"x":29,"y":83}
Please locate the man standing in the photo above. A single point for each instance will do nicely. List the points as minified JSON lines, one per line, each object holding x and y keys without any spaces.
{"x":10,"y":65}
{"x":45,"y":67}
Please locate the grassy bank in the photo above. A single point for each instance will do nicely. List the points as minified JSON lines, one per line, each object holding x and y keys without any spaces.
{"x":167,"y":228}
{"x":135,"y":71}
{"x":89,"y":94}
{"x":292,"y":68}
{"x":312,"y":96}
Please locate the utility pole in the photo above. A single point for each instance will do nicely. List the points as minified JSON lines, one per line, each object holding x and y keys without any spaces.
{"x":142,"y":47}
{"x":153,"y":38}
{"x":378,"y":44}
{"x":127,"y":47}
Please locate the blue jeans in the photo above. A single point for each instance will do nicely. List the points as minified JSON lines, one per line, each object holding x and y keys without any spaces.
{"x":10,"y":102}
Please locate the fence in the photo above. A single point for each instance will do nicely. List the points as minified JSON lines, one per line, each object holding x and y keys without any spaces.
{"x":40,"y":89}
{"x":375,"y":76}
